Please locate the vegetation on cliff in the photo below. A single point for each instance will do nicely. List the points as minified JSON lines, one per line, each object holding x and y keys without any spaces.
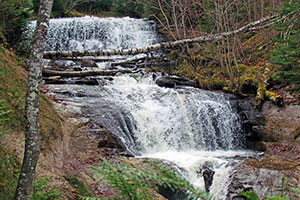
{"x":253,"y":64}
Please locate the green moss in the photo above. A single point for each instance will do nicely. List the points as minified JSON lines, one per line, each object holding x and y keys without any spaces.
{"x":277,"y":99}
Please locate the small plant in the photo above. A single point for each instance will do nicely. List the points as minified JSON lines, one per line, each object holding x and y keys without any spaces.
{"x":3,"y":118}
{"x":253,"y":196}
{"x":80,"y":186}
{"x":134,"y":183}
{"x":42,"y":191}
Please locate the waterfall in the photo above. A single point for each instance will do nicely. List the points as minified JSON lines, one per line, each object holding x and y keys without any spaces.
{"x":186,"y":126}
{"x":94,"y":33}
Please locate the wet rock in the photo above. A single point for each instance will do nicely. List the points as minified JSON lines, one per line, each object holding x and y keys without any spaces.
{"x":88,"y":63}
{"x":165,"y":81}
{"x":170,"y":194}
{"x":208,"y":175}
{"x":172,"y":81}
{"x":61,"y":64}
{"x":263,"y":181}
{"x":251,"y":118}
{"x":280,"y":123}
{"x":108,"y":140}
{"x":239,"y":197}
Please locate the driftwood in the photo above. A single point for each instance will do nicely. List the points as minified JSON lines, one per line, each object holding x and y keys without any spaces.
{"x":48,"y":73}
{"x":165,"y":45}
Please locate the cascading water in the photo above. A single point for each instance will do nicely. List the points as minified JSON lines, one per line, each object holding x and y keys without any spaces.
{"x":186,"y":126}
{"x":94,"y":33}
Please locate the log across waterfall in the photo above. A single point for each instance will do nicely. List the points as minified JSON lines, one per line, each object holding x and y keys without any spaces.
{"x":164,"y":45}
{"x":186,"y":126}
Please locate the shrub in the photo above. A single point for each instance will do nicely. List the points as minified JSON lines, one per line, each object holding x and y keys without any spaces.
{"x":14,"y":17}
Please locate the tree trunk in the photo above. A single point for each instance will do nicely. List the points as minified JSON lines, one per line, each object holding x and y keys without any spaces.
{"x":32,"y":130}
{"x":165,"y":45}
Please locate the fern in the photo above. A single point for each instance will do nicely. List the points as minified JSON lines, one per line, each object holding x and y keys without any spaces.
{"x":134,"y":183}
{"x":43,"y":191}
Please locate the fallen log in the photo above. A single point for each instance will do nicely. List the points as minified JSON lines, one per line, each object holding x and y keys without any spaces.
{"x":48,"y":72}
{"x":163,"y":45}
{"x":79,"y":82}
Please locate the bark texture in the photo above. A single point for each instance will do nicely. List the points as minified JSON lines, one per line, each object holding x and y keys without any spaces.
{"x":165,"y":45}
{"x":32,"y":131}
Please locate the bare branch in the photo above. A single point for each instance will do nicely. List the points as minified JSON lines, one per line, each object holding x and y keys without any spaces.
{"x":164,"y":45}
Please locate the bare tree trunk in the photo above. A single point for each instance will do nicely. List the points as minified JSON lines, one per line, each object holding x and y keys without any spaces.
{"x":32,"y":131}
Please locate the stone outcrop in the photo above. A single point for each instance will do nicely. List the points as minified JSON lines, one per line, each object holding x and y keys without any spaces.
{"x":280,"y":123}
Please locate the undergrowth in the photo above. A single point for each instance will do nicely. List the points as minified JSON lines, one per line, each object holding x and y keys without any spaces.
{"x":42,"y":190}
{"x":135,"y":183}
{"x":295,"y":192}
{"x":8,"y":163}
{"x":13,"y":80}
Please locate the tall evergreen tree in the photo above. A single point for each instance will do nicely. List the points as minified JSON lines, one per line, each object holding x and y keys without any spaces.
{"x":287,"y":52}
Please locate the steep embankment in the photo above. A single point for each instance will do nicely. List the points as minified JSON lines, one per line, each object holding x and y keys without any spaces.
{"x":67,"y":152}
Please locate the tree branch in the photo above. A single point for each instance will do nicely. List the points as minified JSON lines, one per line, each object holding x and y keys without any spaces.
{"x":159,"y":46}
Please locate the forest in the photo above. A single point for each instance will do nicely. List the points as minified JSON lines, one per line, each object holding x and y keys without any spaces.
{"x":246,"y":48}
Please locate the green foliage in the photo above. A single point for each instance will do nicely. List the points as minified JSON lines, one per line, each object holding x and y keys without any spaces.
{"x":43,"y":191}
{"x":287,"y":52}
{"x":96,"y":6}
{"x":112,"y":7}
{"x":8,"y":164}
{"x":134,"y":183}
{"x":3,"y":113}
{"x":80,"y":186}
{"x":12,"y":89}
{"x":250,"y":195}
{"x":277,"y":198}
{"x":128,"y":8}
{"x":253,"y":196}
{"x":14,"y":17}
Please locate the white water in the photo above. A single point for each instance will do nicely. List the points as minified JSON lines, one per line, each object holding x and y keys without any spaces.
{"x":94,"y":33}
{"x":186,"y":126}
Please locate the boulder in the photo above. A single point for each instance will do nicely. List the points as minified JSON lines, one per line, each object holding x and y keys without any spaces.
{"x":172,"y":81}
{"x":88,"y":63}
{"x":165,"y":81}
{"x":261,"y":180}
{"x":280,"y":124}
{"x":208,"y":175}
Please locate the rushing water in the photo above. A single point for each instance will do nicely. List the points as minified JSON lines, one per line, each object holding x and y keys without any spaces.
{"x":186,"y":126}
{"x":93,"y":33}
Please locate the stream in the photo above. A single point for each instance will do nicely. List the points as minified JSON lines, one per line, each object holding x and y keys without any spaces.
{"x":186,"y":126}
